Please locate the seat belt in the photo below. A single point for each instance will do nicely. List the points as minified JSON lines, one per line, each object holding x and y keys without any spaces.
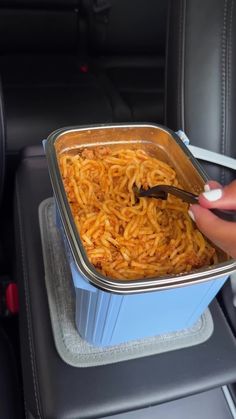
{"x":98,"y":12}
{"x":101,"y":11}
{"x":207,"y":155}
{"x":100,"y":6}
{"x":212,"y":157}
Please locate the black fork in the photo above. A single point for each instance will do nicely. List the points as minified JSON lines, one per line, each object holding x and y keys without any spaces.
{"x":162,"y":191}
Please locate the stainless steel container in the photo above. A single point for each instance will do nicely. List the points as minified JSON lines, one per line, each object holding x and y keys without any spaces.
{"x":155,"y":297}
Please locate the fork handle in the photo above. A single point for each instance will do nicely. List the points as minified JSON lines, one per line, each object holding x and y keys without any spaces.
{"x":226,"y":215}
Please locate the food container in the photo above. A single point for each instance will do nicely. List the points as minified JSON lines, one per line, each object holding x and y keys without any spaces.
{"x":108,"y":311}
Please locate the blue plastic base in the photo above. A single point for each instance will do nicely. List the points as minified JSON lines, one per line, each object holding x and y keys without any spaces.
{"x":107,"y":319}
{"x":104,"y":318}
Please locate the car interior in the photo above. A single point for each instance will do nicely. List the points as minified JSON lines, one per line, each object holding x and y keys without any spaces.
{"x":66,"y":63}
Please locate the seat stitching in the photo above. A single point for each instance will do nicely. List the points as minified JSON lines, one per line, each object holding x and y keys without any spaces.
{"x":183,"y":65}
{"x":223,"y":85}
{"x":229,"y":67}
{"x":226,"y":75}
{"x":3,"y":144}
{"x":181,"y":59}
{"x":179,"y":66}
{"x":29,"y":326}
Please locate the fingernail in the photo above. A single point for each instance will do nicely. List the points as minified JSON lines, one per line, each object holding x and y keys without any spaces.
{"x":191,"y":215}
{"x":213,"y":195}
{"x":207,"y":188}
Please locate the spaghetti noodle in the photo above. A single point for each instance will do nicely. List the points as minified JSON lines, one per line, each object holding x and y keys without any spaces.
{"x":123,"y":238}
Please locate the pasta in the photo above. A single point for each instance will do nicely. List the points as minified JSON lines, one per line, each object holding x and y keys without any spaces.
{"x":125,"y":238}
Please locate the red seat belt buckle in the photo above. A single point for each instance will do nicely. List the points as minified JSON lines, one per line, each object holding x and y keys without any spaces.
{"x":12,"y":299}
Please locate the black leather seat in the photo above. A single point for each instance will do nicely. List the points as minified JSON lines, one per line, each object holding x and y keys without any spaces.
{"x":10,"y":391}
{"x":2,"y":144}
{"x":46,"y":85}
{"x":127,"y":44}
{"x":11,"y":395}
{"x":201,"y":93}
{"x":46,"y":95}
{"x":54,"y":389}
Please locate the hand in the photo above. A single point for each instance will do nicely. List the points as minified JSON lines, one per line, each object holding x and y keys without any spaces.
{"x":222,"y":233}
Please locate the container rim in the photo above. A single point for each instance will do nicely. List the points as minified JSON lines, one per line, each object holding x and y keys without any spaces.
{"x":85,"y":268}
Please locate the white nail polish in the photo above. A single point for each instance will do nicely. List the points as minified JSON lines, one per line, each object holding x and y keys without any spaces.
{"x":207,"y":188}
{"x":191,"y":215}
{"x":213,"y":195}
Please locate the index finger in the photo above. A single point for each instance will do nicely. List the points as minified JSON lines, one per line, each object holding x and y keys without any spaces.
{"x":222,"y":233}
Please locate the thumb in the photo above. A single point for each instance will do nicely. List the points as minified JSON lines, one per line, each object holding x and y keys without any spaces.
{"x":221,"y":233}
{"x":224,"y":198}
